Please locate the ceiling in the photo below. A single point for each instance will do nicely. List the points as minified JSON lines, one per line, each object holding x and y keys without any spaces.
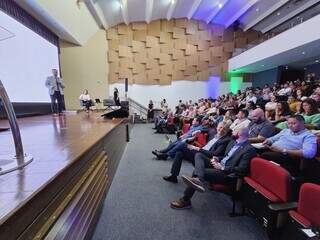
{"x":262,"y":15}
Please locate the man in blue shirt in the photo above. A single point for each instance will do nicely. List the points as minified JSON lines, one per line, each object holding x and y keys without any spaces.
{"x":288,"y":147}
{"x":236,"y":160}
{"x":181,"y":141}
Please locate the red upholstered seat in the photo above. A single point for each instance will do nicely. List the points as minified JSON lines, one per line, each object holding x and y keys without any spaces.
{"x":270,"y":180}
{"x":202,"y":139}
{"x":269,"y":195}
{"x":300,"y":219}
{"x":185,"y":127}
{"x":170,"y":121}
{"x":309,"y":203}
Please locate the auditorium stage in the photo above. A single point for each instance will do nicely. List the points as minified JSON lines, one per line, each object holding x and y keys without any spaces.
{"x":75,"y":159}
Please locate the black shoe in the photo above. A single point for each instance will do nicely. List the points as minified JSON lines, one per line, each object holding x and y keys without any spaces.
{"x":162,"y":156}
{"x":171,"y":178}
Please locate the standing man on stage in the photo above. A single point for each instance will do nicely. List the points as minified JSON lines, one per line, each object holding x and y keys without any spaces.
{"x":55,"y":86}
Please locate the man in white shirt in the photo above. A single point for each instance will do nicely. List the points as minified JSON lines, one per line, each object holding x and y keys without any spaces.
{"x":242,"y":120}
{"x":251,"y":97}
{"x":286,"y":90}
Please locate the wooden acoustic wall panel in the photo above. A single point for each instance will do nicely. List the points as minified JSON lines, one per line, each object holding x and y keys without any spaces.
{"x":139,"y":26}
{"x":192,"y":27}
{"x":180,"y":49}
{"x":154,"y":28}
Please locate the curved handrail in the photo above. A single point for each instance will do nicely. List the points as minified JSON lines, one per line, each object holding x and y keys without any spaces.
{"x":20,"y":156}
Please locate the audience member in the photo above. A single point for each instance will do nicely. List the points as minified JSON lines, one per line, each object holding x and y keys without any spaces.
{"x":150,"y":114}
{"x":215,"y":147}
{"x":290,"y":145}
{"x":259,"y":127}
{"x":174,"y":146}
{"x":236,"y":160}
{"x":292,"y":101}
{"x":241,"y":121}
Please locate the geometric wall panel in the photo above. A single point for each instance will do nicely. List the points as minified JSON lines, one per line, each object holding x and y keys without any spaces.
{"x":179,"y":49}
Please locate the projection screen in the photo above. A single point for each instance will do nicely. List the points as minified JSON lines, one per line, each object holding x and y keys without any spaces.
{"x":26,"y":59}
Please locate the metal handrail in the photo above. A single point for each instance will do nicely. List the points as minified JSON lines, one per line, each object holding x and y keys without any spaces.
{"x":20,"y":159}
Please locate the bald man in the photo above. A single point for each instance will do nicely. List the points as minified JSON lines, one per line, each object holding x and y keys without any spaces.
{"x":236,"y":160}
{"x":260,"y":128}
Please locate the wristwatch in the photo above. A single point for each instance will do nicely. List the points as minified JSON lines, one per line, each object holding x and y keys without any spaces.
{"x":284,"y":151}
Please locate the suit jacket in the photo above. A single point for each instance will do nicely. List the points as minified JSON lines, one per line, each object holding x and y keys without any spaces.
{"x":51,"y":83}
{"x":218,"y":148}
{"x":239,"y":162}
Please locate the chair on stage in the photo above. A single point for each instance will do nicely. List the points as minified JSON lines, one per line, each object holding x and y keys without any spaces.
{"x":307,"y":215}
{"x":98,"y":104}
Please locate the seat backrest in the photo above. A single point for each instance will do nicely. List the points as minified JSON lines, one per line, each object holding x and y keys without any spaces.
{"x":186,"y":127}
{"x":309,"y":202}
{"x":170,"y":120}
{"x":272,"y":177}
{"x":202,"y":138}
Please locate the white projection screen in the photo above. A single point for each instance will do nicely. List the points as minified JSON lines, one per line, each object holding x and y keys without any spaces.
{"x":26,"y":59}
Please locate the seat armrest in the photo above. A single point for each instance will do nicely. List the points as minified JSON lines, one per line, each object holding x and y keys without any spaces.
{"x":281,"y":207}
{"x":239,"y":180}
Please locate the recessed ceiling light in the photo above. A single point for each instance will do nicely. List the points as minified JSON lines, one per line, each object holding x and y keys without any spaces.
{"x":220,"y":5}
{"x":303,"y":53}
{"x":278,"y":13}
{"x":257,"y":9}
{"x":317,"y":61}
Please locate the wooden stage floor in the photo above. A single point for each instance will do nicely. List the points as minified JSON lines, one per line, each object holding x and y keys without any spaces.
{"x":55,"y":143}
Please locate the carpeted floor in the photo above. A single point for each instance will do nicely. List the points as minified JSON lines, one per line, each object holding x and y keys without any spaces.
{"x":138,"y":203}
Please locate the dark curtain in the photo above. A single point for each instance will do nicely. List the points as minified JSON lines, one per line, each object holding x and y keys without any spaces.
{"x":15,"y":11}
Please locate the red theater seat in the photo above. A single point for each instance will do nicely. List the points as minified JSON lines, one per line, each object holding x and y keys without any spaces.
{"x":201,"y":139}
{"x":185,"y":128}
{"x":307,"y":215}
{"x":267,"y":184}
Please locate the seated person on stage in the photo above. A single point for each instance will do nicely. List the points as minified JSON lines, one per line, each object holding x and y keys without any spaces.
{"x":215,"y":147}
{"x":290,"y":145}
{"x":236,"y":160}
{"x":259,"y":128}
{"x":174,"y":146}
{"x":241,"y":121}
{"x":86,"y":100}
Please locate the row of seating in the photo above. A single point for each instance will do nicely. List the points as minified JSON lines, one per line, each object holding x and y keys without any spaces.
{"x":268,"y":193}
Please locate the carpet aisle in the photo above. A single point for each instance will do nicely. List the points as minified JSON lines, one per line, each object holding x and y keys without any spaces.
{"x":138,"y":203}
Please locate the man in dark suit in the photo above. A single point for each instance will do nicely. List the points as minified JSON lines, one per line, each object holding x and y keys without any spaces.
{"x":236,"y":160}
{"x":215,"y":147}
